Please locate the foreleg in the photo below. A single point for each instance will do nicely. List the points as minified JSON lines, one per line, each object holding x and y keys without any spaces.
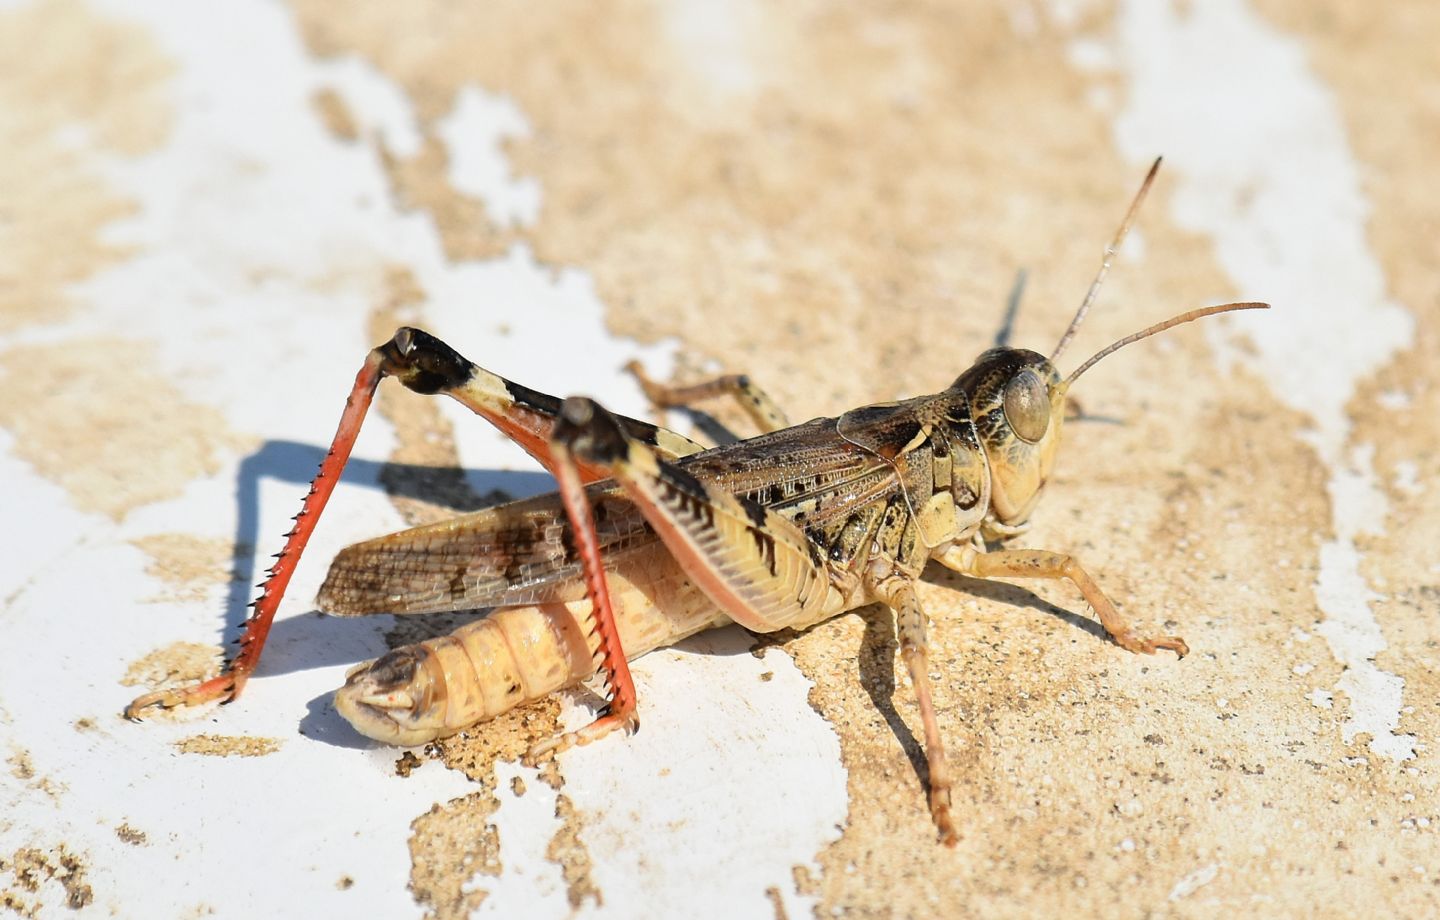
{"x":1033,"y":563}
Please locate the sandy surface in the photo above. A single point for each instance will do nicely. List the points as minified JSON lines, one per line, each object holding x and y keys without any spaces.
{"x":836,"y":200}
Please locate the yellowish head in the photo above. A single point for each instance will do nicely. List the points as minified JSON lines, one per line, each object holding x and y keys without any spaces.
{"x":1017,"y":401}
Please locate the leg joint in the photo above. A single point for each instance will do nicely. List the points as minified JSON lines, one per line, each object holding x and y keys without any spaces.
{"x":589,"y":431}
{"x":423,"y":363}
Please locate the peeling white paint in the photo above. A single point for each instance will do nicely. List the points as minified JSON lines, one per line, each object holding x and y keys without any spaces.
{"x":381,"y":109}
{"x":257,"y":258}
{"x":544,"y":327}
{"x":474,"y":133}
{"x":758,"y":773}
{"x":532,"y":886}
{"x":1264,"y":167}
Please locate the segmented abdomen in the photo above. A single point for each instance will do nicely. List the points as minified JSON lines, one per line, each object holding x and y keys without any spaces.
{"x":520,"y":654}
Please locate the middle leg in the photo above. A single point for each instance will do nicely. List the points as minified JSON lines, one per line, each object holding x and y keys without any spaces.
{"x":899,"y":595}
{"x":764,"y":411}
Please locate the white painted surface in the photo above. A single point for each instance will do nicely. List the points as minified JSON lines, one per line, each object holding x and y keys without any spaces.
{"x":474,"y":134}
{"x":257,"y":256}
{"x":1264,"y":168}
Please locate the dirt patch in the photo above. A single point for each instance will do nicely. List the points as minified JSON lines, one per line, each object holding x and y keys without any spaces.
{"x":20,"y":766}
{"x":192,"y":567}
{"x":336,"y":115}
{"x":92,"y":75}
{"x":88,"y":425}
{"x":176,"y":663}
{"x":31,"y":870}
{"x":228,"y":746}
{"x":449,"y":846}
{"x":568,"y":851}
{"x":136,"y":838}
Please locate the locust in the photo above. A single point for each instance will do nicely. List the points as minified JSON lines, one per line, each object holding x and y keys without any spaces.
{"x":651,"y":538}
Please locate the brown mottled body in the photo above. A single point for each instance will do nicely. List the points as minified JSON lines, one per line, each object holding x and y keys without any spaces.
{"x":778,"y":531}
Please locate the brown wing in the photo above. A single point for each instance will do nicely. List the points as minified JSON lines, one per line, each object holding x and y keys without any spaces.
{"x":522,"y":552}
{"x":806,"y":473}
{"x":513,"y":554}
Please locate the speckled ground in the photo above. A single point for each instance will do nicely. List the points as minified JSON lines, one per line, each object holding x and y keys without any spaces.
{"x":837,"y":201}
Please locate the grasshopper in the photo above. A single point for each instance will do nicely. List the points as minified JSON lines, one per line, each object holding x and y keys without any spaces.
{"x":652,"y":538}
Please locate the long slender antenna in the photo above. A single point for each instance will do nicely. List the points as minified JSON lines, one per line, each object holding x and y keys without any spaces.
{"x":1110,"y":251}
{"x":1161,"y":327}
{"x":1012,"y":309}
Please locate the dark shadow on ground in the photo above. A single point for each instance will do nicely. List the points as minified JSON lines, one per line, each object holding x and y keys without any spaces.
{"x":1014,"y":596}
{"x":290,"y":647}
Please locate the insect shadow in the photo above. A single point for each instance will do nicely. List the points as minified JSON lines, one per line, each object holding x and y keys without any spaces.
{"x":879,"y":655}
{"x":313,"y":640}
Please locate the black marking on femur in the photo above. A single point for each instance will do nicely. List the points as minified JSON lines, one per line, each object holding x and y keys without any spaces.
{"x":814,"y":548}
{"x":677,"y":477}
{"x":754,"y":511}
{"x":423,"y":363}
{"x":765,"y":546}
{"x":533,"y":399}
{"x":685,"y":503}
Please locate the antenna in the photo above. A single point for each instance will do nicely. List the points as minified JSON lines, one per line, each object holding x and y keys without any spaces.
{"x":1105,"y":263}
{"x":1012,"y":308}
{"x":1161,"y":327}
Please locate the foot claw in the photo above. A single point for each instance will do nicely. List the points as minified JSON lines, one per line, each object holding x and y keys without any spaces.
{"x":543,"y":750}
{"x":940,"y":811}
{"x":223,"y":689}
{"x":1174,"y":644}
{"x":1151,"y":646}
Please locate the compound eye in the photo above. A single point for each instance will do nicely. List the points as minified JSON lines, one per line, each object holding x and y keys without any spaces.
{"x":1027,"y":405}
